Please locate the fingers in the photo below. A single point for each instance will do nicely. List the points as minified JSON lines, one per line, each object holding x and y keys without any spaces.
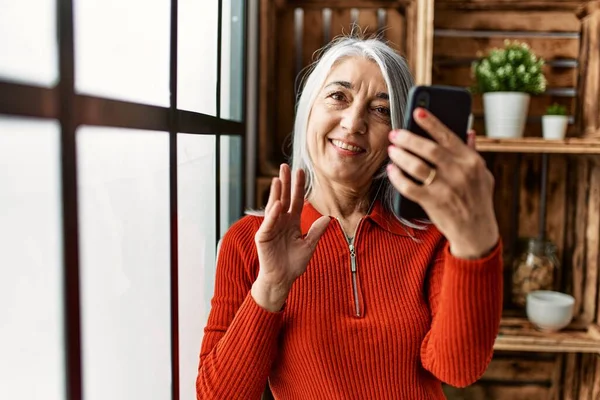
{"x":407,"y":187}
{"x":409,"y":163}
{"x":298,"y":193}
{"x":285,"y":178}
{"x":274,"y":194}
{"x":420,"y":146}
{"x":316,"y":231}
{"x":271,"y":218}
{"x":438,"y":131}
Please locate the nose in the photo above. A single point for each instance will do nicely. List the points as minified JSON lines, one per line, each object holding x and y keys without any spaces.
{"x":353,"y":120}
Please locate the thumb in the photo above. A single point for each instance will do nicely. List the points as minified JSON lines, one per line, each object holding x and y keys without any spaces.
{"x":316,"y":231}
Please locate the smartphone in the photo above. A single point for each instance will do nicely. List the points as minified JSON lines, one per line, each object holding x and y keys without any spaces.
{"x":452,"y":106}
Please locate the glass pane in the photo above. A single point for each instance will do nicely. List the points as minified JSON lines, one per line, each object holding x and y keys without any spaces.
{"x":125,"y":263}
{"x":197,"y":245}
{"x":31,"y":311}
{"x":232,"y":181}
{"x":232,"y":56}
{"x":28,"y":41}
{"x":122,"y":49}
{"x":197,"y":49}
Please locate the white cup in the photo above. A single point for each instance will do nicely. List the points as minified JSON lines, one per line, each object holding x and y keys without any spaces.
{"x":549,"y":311}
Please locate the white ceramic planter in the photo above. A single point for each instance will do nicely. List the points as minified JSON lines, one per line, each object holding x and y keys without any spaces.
{"x":554,"y":127}
{"x":505,"y":114}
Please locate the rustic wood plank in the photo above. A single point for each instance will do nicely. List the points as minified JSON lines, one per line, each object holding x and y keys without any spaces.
{"x":490,"y":391}
{"x":586,"y":377}
{"x":517,"y":369}
{"x":592,"y":235}
{"x":411,"y":35}
{"x":285,"y":100}
{"x":340,"y":21}
{"x":533,"y":21}
{"x":578,"y":257}
{"x":263,"y":187}
{"x":312,"y":35}
{"x":539,"y":145}
{"x":571,"y":383}
{"x":556,"y":379}
{"x":548,"y":48}
{"x":596,"y":385}
{"x":394,"y":31}
{"x":589,"y":71}
{"x":367,"y":21}
{"x":461,"y":75}
{"x":306,"y":4}
{"x":424,"y":42}
{"x":518,"y":334}
{"x":504,"y":167}
{"x":511,"y":5}
{"x":556,"y":207}
{"x":529,"y":203}
{"x":267,"y":89}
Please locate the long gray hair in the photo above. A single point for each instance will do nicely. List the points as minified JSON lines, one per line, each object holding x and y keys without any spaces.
{"x":398,"y":79}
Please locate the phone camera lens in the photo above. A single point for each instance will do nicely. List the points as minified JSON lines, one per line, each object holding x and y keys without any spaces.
{"x":423,"y":100}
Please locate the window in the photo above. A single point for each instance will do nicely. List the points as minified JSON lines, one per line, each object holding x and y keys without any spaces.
{"x":122,"y":132}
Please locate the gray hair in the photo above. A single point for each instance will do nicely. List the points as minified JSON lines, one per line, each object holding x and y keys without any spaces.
{"x":398,"y":79}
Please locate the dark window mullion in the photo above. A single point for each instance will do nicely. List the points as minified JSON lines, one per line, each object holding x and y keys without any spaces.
{"x":218,"y":137}
{"x":40,"y":102}
{"x":70,"y":213}
{"x":173,"y":132}
{"x":29,"y":101}
{"x":244,"y":87}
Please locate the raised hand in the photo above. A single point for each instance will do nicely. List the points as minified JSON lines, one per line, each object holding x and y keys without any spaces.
{"x":457,"y":193}
{"x":283,"y":253}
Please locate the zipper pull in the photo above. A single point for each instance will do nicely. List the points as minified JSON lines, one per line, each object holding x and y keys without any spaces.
{"x":353,"y":258}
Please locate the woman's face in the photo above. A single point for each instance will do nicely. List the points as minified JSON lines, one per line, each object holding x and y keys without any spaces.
{"x":348,"y":126}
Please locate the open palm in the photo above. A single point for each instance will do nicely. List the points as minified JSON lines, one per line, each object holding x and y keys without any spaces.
{"x":283,"y":253}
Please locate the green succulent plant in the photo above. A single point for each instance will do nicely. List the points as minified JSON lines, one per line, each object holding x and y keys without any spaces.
{"x":556,"y":109}
{"x":514,"y":68}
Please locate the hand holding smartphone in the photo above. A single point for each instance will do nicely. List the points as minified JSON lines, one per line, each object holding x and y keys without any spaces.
{"x":452,"y":106}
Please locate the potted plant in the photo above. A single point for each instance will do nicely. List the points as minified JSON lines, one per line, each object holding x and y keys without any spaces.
{"x":507,"y":77}
{"x":554,"y":123}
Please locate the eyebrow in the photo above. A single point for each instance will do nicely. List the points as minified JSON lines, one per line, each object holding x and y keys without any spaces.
{"x":349,"y":86}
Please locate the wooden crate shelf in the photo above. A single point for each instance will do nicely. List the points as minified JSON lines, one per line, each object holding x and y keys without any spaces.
{"x":539,"y":145}
{"x":518,"y":334}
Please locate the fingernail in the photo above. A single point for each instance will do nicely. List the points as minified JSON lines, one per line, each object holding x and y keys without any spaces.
{"x":389,"y":167}
{"x":421,"y":114}
{"x":394,"y":134}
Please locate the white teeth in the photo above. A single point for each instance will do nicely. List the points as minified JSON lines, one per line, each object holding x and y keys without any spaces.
{"x":346,"y":146}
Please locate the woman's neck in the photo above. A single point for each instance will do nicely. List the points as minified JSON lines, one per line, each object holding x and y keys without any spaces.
{"x":346,"y":204}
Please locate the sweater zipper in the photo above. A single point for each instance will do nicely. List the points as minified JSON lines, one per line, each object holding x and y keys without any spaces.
{"x":354,"y":284}
{"x":353,"y":268}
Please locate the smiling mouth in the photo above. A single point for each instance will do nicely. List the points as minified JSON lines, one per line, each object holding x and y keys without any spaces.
{"x":346,"y":146}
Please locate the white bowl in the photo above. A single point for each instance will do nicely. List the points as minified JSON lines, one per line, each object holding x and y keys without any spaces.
{"x":549,"y":311}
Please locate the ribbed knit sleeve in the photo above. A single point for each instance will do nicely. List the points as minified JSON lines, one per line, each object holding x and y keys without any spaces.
{"x":240,"y":338}
{"x":465,"y":298}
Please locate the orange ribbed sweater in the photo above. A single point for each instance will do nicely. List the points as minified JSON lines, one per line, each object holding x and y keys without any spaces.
{"x":410,"y":317}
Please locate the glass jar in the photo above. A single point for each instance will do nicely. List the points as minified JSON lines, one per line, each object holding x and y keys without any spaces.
{"x":535,"y":268}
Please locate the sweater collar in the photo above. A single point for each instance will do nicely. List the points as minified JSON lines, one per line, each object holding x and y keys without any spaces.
{"x":378,"y":215}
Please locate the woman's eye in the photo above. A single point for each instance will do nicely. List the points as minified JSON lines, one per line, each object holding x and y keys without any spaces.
{"x":337,"y":96}
{"x":383,"y":111}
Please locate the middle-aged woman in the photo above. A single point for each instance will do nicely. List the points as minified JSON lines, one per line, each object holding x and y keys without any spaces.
{"x":330,"y":295}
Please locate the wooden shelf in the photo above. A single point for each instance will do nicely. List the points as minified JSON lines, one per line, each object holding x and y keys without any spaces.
{"x":539,"y":145}
{"x":518,"y":334}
